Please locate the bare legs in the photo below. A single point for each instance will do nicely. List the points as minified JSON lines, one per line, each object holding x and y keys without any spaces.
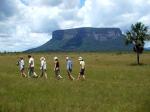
{"x":70,"y":76}
{"x":57,"y":74}
{"x":44,"y":73}
{"x":23,"y":73}
{"x":81,"y":77}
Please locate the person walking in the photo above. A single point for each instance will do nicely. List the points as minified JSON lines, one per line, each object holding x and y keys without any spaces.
{"x":82,"y":69}
{"x":31,"y":72}
{"x":43,"y":67}
{"x":57,"y":68}
{"x":21,"y":65}
{"x":69,"y":68}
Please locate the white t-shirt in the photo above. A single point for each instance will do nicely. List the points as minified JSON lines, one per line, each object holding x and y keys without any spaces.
{"x":31,"y":62}
{"x":43,"y":64}
{"x":21,"y":64}
{"x":82,"y":63}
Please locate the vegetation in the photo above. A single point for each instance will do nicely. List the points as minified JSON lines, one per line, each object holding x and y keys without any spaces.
{"x":136,"y":36}
{"x":113,"y":84}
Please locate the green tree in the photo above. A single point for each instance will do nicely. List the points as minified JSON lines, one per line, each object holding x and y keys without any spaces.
{"x":136,"y":36}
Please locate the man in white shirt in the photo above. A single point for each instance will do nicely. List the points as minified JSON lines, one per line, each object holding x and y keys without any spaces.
{"x":31,"y":72}
{"x":43,"y":67}
{"x":82,"y":69}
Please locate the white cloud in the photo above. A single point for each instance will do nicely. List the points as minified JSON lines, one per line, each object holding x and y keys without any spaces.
{"x":29,"y":23}
{"x":13,"y":43}
{"x":114,"y":13}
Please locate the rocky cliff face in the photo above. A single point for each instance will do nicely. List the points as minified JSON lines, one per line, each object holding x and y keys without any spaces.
{"x":84,"y":39}
{"x":100,"y":34}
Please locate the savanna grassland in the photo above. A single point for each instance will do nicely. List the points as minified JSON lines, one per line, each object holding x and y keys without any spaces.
{"x":114,"y":83}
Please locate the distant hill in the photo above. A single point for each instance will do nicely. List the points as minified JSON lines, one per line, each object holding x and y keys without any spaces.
{"x":147,"y":48}
{"x":84,"y":39}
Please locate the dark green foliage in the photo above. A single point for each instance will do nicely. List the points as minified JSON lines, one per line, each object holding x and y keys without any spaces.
{"x":136,"y":36}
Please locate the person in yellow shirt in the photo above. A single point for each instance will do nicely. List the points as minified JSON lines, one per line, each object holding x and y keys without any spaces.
{"x":82,"y":69}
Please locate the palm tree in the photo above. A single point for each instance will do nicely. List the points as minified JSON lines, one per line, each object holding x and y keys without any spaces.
{"x":136,"y":36}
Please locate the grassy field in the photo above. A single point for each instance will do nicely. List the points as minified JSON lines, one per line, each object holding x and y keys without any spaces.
{"x":114,"y":84}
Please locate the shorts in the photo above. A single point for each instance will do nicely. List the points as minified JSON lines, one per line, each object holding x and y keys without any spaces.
{"x":82,"y":71}
{"x":21,"y":69}
{"x":57,"y":72}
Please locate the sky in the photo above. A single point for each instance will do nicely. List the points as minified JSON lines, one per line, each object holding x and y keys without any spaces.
{"x":26,"y":24}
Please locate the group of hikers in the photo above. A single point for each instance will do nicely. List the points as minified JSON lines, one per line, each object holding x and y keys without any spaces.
{"x":43,"y":68}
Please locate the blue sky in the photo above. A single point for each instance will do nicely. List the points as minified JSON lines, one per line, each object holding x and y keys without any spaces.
{"x":26,"y":24}
{"x":82,"y":2}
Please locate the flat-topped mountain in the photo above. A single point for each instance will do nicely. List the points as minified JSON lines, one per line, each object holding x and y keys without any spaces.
{"x":84,"y":39}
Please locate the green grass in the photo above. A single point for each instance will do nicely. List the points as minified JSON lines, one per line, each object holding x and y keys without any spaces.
{"x":114,"y":84}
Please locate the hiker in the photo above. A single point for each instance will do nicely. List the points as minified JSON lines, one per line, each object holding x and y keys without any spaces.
{"x":82,"y":69}
{"x":57,"y":68}
{"x":21,"y":65}
{"x":31,"y":72}
{"x":43,"y":67}
{"x":69,"y":68}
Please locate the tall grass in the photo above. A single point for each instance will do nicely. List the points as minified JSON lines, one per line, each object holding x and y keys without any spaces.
{"x":113,"y":84}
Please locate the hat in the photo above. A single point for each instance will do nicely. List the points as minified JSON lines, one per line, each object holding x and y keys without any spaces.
{"x":80,"y":58}
{"x":21,"y":57}
{"x":55,"y":58}
{"x":42,"y":58}
{"x":67,"y":58}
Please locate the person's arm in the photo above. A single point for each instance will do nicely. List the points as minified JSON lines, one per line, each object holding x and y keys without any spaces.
{"x":41,"y":65}
{"x":18,"y":62}
{"x":30,"y":63}
{"x":45,"y":65}
{"x":54,"y":65}
{"x":22,"y":62}
{"x":67,"y":65}
{"x":71,"y":64}
{"x":57,"y":65}
{"x":80,"y":65}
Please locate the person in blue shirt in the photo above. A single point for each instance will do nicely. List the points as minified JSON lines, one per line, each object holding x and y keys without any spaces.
{"x":69,"y":68}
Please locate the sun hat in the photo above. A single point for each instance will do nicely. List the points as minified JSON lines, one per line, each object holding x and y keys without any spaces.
{"x":42,"y":58}
{"x":80,"y":58}
{"x":67,"y":58}
{"x":55,"y":58}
